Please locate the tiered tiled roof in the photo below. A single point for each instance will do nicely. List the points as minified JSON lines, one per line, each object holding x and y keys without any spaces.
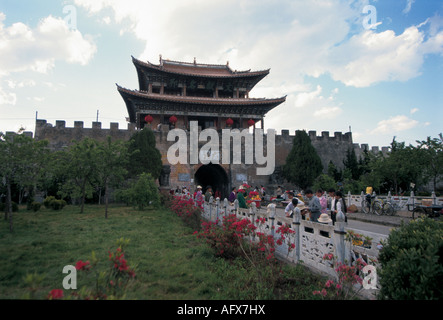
{"x":198,"y":69}
{"x":164,"y":102}
{"x":200,"y":100}
{"x":175,"y":87}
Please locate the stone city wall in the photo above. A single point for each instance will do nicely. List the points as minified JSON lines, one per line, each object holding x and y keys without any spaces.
{"x":329,"y":148}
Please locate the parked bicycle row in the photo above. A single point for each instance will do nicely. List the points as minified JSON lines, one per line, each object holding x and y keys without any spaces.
{"x":371,"y":204}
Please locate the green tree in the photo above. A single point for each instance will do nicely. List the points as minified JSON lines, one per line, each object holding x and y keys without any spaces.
{"x":111,"y":167}
{"x":400,"y":167}
{"x":21,"y":161}
{"x":144,"y":156}
{"x":333,"y":172}
{"x":324,"y":182}
{"x":303,"y":165}
{"x":351,"y":163}
{"x":80,"y":166}
{"x":142,"y":193}
{"x":432,"y":156}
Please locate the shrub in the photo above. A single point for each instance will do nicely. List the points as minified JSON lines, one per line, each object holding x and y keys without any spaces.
{"x":110,"y":283}
{"x":35,"y":206}
{"x":185,"y":208}
{"x":142,"y":193}
{"x":14,"y":206}
{"x":47,"y":201}
{"x":57,"y":204}
{"x":53,"y":203}
{"x":412,"y":261}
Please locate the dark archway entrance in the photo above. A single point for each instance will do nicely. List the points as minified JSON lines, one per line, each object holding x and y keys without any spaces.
{"x":215,"y":176}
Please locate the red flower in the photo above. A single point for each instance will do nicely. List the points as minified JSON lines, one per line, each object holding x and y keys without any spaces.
{"x":80,"y":265}
{"x":55,"y":294}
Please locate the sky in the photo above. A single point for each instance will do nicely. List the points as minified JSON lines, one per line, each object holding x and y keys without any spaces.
{"x":374,"y":68}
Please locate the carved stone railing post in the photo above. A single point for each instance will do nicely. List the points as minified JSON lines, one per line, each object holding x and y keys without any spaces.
{"x":217,"y":207}
{"x":296,"y":221}
{"x":225,"y":206}
{"x":272,"y":219}
{"x":211,"y":201}
{"x":340,"y":237}
{"x":252,"y":213}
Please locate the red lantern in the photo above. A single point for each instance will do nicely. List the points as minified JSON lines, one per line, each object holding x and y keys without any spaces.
{"x":173,"y":119}
{"x":251,"y":122}
{"x":229,"y":122}
{"x":149,"y":118}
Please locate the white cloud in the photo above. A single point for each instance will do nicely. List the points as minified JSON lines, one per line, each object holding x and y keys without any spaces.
{"x":294,"y":38}
{"x":414,"y":110}
{"x":23,"y":48}
{"x":372,"y":57}
{"x":20,"y":84}
{"x":395,"y":124}
{"x":7,"y":97}
{"x":408,"y":6}
{"x":318,"y":105}
{"x":26,"y":49}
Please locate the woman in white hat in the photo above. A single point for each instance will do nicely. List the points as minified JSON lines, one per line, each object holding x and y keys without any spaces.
{"x":199,"y":195}
{"x":324,"y":218}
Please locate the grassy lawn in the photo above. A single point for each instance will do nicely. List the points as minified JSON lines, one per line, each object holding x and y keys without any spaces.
{"x":170,"y":262}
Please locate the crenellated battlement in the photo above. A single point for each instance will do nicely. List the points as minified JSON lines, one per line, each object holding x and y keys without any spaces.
{"x":329,"y":147}
{"x":60,"y":136}
{"x":61,"y":124}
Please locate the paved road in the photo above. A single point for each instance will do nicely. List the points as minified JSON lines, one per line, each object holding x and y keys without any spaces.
{"x":367,"y":226}
{"x":367,"y":222}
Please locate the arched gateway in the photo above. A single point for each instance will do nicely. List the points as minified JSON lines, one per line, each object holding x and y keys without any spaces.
{"x":215,"y":176}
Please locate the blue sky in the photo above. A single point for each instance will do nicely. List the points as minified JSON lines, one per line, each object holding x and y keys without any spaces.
{"x":375,"y":67}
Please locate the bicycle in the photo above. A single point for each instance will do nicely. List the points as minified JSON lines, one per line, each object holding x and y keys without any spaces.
{"x":370,"y":204}
{"x":391,"y":207}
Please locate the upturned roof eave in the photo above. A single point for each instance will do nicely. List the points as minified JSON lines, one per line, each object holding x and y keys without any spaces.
{"x":233,"y":74}
{"x":201,"y":100}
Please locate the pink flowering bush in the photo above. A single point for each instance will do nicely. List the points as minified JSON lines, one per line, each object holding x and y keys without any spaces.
{"x":188,"y":210}
{"x":238,"y":236}
{"x":226,"y":240}
{"x":55,"y":294}
{"x":348,"y":277}
{"x":108,"y":284}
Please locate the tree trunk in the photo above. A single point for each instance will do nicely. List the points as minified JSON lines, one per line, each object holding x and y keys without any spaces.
{"x":106,"y":199}
{"x":83,"y":196}
{"x":9,"y":203}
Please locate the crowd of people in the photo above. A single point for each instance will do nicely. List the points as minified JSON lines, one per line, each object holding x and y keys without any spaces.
{"x":316,"y":207}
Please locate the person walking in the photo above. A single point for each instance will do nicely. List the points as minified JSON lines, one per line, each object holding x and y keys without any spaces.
{"x":208,"y":193}
{"x":331,"y":205}
{"x":323,"y":201}
{"x":199,"y":196}
{"x":292,"y":207}
{"x":314,"y":205}
{"x":340,"y":205}
{"x":241,"y":198}
{"x":233,"y":195}
{"x":279,"y":192}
